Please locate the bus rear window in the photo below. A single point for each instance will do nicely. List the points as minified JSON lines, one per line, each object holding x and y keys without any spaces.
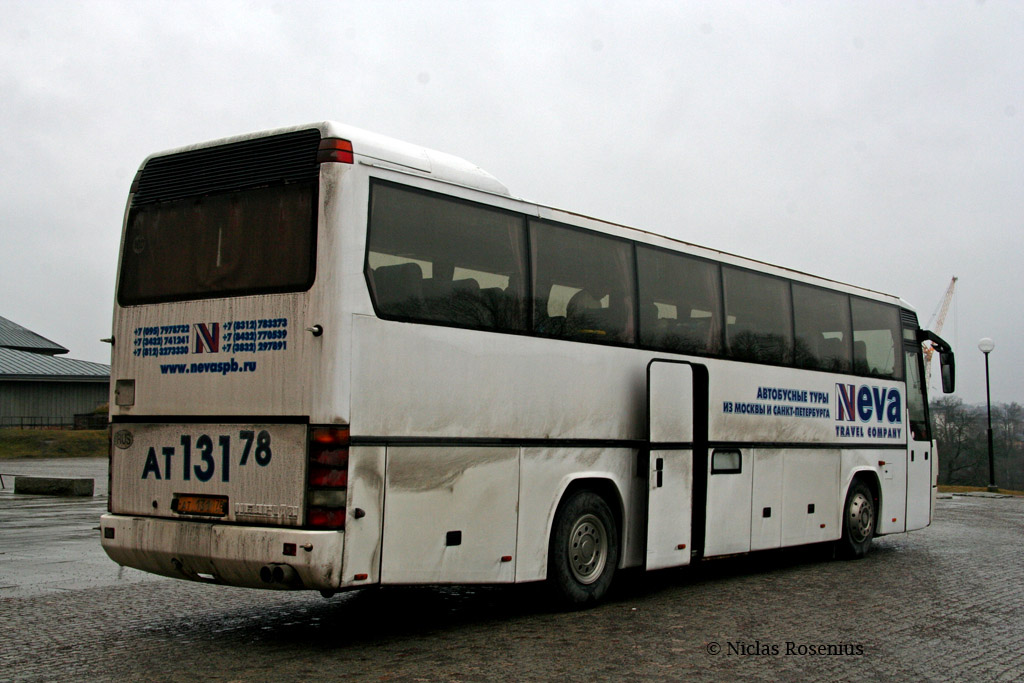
{"x":251,"y":241}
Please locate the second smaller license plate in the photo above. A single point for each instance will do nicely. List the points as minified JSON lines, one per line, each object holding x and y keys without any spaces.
{"x":215,"y":506}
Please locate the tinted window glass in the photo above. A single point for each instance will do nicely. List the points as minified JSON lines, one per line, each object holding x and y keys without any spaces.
{"x":680,"y":302}
{"x":759,"y":322}
{"x":245,"y":242}
{"x":433,"y":258}
{"x":822,"y":322}
{"x":916,"y":396}
{"x":877,"y":349}
{"x":583,"y":284}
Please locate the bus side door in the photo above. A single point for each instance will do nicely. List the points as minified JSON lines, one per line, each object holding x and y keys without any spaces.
{"x":677,"y":409}
{"x":919,"y":446}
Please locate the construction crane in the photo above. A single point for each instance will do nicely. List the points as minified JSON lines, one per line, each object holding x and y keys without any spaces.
{"x":935,"y":325}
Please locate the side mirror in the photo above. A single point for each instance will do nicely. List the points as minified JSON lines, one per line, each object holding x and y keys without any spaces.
{"x":948,"y":369}
{"x":947,"y":363}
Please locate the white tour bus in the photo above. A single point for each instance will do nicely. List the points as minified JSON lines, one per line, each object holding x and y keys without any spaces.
{"x":340,"y":360}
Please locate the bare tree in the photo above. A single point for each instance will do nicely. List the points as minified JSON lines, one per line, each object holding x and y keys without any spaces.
{"x":1008,"y":427}
{"x":959,"y":432}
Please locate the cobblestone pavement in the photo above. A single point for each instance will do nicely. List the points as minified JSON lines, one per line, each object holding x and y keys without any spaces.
{"x":945,"y":603}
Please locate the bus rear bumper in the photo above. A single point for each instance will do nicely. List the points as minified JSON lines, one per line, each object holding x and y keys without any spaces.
{"x":232,"y":555}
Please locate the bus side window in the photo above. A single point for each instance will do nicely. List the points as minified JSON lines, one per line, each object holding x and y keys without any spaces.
{"x":759,"y":309}
{"x":584,"y":284}
{"x":462,"y":249}
{"x":916,"y":399}
{"x":877,"y":339}
{"x":860,"y":357}
{"x":822,"y":322}
{"x":680,"y":302}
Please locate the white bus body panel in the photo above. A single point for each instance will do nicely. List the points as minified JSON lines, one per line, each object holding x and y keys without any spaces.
{"x":766,"y":502}
{"x":480,"y":514}
{"x":727,"y":527}
{"x":455,"y":383}
{"x":363,"y":529}
{"x":893,"y":506}
{"x":240,"y":356}
{"x":794,"y":497}
{"x":450,"y":515}
{"x":810,"y":508}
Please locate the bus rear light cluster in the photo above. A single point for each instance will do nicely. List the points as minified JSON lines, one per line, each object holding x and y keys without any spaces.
{"x":322,"y":518}
{"x":110,"y":471}
{"x":327,"y":479}
{"x":334,"y":150}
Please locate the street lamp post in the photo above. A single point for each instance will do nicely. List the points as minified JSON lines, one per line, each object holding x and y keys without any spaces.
{"x":985,"y":346}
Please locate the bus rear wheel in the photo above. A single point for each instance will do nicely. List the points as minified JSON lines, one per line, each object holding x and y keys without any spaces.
{"x":584,"y":549}
{"x":859,"y":517}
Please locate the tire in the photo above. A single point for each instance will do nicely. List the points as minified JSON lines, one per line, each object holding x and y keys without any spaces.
{"x":584,"y":550}
{"x":860,"y":515}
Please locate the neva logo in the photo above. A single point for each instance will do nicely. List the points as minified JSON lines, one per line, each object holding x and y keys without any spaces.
{"x":207,"y":336}
{"x":868,"y":404}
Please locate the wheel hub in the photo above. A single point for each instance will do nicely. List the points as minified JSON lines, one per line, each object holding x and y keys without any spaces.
{"x":861,"y":519}
{"x":588,"y":549}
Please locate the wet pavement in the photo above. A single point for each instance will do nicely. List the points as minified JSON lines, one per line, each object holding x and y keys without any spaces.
{"x":945,"y":603}
{"x":51,"y":543}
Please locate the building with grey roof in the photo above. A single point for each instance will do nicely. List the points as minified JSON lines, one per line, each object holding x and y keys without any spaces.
{"x":14,"y":336}
{"x":41,"y":388}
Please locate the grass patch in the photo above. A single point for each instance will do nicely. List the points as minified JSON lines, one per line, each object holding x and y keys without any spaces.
{"x":53,"y":443}
{"x":950,"y":488}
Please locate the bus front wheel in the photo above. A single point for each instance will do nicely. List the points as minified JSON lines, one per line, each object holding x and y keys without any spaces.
{"x":584,"y":549}
{"x":859,"y":516}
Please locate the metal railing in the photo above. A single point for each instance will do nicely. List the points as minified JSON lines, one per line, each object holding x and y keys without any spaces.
{"x":80,"y":421}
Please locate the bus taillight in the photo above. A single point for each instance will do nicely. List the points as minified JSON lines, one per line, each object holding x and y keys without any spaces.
{"x":327,"y":479}
{"x":320,"y":476}
{"x":334,"y":150}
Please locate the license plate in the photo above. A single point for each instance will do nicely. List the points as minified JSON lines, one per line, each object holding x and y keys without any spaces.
{"x":219,"y":455}
{"x":214,"y":506}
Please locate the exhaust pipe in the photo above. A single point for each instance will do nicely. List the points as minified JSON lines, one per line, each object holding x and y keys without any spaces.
{"x":284,"y":573}
{"x":278,"y":573}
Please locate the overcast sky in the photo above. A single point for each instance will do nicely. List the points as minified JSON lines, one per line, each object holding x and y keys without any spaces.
{"x":877,"y":143}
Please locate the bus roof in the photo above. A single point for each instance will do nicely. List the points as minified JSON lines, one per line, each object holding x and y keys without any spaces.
{"x":380,"y":150}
